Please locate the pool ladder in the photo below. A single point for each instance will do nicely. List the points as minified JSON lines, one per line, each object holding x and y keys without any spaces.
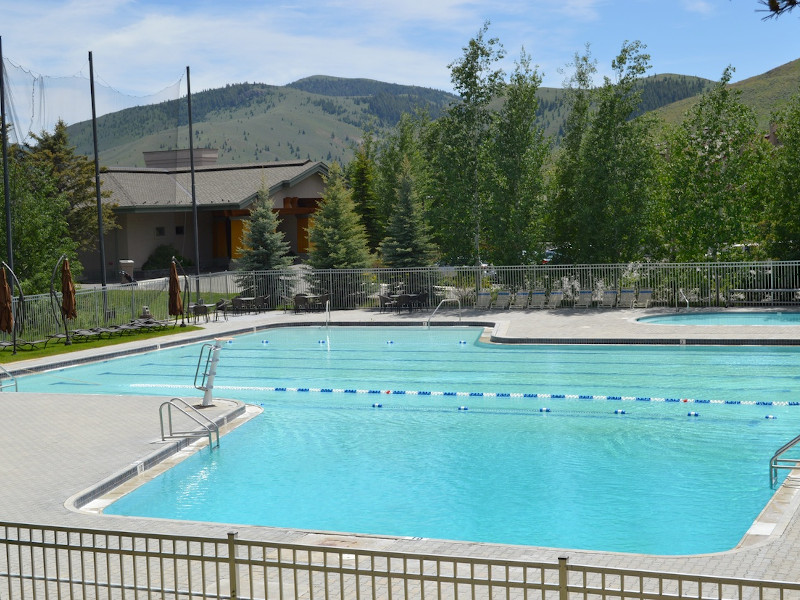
{"x":777,"y":462}
{"x":207,"y":425}
{"x":206,"y":371}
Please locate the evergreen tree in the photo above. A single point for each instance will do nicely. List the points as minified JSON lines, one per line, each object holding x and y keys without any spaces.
{"x":408,"y":242}
{"x":264,"y":246}
{"x":74,"y":179}
{"x":336,"y":235}
{"x":361,"y":177}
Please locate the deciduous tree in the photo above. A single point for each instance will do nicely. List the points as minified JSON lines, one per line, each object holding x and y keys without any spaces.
{"x":74,"y":179}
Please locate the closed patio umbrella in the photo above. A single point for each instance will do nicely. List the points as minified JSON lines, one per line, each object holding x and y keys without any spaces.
{"x":175,"y":300}
{"x":68,"y":309}
{"x":6,"y":310}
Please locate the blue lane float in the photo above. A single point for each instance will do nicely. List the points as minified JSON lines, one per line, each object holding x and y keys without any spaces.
{"x":497,"y":395}
{"x":692,"y":413}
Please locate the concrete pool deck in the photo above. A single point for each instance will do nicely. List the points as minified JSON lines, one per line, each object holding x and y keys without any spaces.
{"x":59,"y":446}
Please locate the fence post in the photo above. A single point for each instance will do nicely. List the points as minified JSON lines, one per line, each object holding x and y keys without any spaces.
{"x":563,"y":578}
{"x":233,"y":571}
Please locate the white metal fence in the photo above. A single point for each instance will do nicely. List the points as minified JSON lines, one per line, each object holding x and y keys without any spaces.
{"x":56,"y":562}
{"x":672,"y":284}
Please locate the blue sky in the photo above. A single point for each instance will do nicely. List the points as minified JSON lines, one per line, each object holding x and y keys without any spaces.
{"x":141,"y":46}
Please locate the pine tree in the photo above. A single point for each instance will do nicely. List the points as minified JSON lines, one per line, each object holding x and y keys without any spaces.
{"x":408,"y":242}
{"x":264,"y":247}
{"x":336,"y":235}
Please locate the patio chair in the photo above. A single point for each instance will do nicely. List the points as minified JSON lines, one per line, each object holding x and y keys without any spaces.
{"x":405,"y":301}
{"x":221,"y":307}
{"x":260,"y":303}
{"x":643,"y":299}
{"x":584,"y":299}
{"x":555,"y":298}
{"x":301,"y":303}
{"x":385,"y":302}
{"x":521,"y":299}
{"x":238,"y":305}
{"x":538,"y":298}
{"x":626,"y":298}
{"x":421,"y":300}
{"x":199,"y":310}
{"x":503,"y":300}
{"x":320,"y":302}
{"x":484,"y":300}
{"x":609,"y":299}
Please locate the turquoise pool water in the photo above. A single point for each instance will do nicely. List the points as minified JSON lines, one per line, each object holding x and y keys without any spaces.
{"x":726,"y":318}
{"x":625,"y":468}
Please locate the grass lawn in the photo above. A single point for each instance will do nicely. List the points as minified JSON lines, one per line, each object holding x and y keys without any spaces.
{"x":58,"y":347}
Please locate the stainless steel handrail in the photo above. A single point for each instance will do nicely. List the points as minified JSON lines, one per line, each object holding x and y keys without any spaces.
{"x":456,"y":300}
{"x":192,"y":413}
{"x":7,"y":380}
{"x":776,"y":462}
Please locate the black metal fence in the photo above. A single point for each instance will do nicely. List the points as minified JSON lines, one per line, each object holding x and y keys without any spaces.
{"x":769,"y":283}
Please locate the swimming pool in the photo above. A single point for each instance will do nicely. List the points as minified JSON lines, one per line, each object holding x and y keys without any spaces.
{"x":481,"y":446}
{"x":725,"y":318}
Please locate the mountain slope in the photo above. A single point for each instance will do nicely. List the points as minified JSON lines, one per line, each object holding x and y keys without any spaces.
{"x":322,"y":118}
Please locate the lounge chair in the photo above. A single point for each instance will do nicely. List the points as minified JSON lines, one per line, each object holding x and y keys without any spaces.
{"x":643,"y":299}
{"x":421,"y":300}
{"x":555,"y":298}
{"x":609,"y":299}
{"x":521,"y":299}
{"x":538,"y":298}
{"x":584,"y":299}
{"x":503,"y":300}
{"x":484,"y":300}
{"x":626,"y":298}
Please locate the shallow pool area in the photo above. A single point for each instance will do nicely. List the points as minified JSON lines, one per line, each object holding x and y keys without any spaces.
{"x":763,"y":318}
{"x":650,"y":449}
